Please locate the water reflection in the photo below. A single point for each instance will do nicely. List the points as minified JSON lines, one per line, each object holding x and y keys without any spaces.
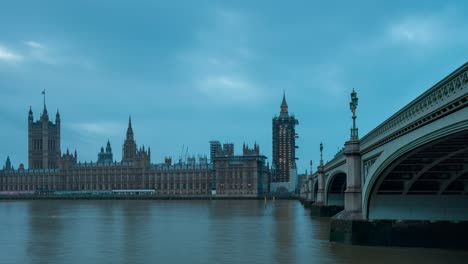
{"x":182,"y":232}
{"x":283,"y":232}
{"x":46,"y":227}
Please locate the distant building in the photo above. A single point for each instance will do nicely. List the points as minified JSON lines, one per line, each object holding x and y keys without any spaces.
{"x":284,"y":146}
{"x":301,"y":179}
{"x":43,"y":141}
{"x":50,"y":171}
{"x":105,"y":157}
{"x":228,"y":150}
{"x":241,"y":176}
{"x":129,"y":149}
{"x":215,"y":146}
{"x":7,"y":166}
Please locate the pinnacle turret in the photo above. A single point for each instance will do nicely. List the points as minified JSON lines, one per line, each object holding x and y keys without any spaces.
{"x":108,"y":147}
{"x":284,"y":105}
{"x":30,"y":114}
{"x":130,"y":129}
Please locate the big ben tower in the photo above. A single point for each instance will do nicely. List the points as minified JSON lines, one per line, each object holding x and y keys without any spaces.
{"x":284,"y":144}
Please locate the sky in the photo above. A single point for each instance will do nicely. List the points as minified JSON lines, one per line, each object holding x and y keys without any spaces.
{"x":193,"y":71}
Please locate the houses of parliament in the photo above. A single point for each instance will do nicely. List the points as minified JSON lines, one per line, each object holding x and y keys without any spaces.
{"x":225,"y":174}
{"x":50,"y":170}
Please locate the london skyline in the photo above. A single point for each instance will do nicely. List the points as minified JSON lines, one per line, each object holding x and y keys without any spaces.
{"x":177,"y":72}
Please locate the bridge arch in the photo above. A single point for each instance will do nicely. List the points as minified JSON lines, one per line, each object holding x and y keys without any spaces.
{"x":315,"y":191}
{"x":426,"y":179}
{"x":335,"y":188}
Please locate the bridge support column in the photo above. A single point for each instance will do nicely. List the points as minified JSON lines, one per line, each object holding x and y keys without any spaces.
{"x":309,"y":198}
{"x":321,"y":185}
{"x":353,"y":194}
{"x":320,"y":207}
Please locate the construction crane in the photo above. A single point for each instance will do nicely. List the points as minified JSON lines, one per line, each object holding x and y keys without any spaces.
{"x":183,"y":157}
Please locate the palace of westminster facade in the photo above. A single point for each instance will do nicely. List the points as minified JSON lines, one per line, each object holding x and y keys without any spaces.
{"x":226,"y":174}
{"x":50,"y":170}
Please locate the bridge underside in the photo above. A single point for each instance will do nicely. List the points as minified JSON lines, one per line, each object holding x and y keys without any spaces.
{"x":315,"y":191}
{"x":429,"y":183}
{"x":336,"y":190}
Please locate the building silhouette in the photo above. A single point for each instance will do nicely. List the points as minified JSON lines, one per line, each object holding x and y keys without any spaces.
{"x":241,"y":175}
{"x":284,"y":144}
{"x":107,"y":156}
{"x":50,"y":171}
{"x":215,"y":146}
{"x":43,"y":141}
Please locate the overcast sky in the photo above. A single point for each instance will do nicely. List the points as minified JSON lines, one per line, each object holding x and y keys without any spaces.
{"x":192,"y":71}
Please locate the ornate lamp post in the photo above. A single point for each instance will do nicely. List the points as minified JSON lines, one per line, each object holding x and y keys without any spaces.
{"x":321,"y":150}
{"x":353,"y":105}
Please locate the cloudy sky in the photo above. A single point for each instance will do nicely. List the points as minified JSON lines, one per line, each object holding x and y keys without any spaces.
{"x":193,"y":71}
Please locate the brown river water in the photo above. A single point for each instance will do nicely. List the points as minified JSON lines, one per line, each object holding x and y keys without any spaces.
{"x":117,"y":231}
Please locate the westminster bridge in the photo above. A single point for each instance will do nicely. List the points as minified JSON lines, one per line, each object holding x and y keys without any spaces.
{"x":404,"y":183}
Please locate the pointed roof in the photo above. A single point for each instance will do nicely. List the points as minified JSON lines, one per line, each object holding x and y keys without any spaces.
{"x":44,"y":112}
{"x":284,"y":105}
{"x":30,"y":114}
{"x":130,"y":129}
{"x":108,"y":147}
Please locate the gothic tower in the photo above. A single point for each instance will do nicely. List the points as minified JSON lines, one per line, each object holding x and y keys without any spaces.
{"x":284,"y":143}
{"x":43,"y":141}
{"x":105,"y":157}
{"x":129,"y":149}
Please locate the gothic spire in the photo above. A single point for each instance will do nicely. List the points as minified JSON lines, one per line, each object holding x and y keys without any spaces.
{"x":44,"y":112}
{"x":284,"y":105}
{"x":108,"y":147}
{"x":57,"y":116}
{"x":129,"y":129}
{"x":8,"y":163}
{"x":30,"y":114}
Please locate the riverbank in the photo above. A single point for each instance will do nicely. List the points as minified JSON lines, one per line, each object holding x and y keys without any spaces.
{"x":140,"y":197}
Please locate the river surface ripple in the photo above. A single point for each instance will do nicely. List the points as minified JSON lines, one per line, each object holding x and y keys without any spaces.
{"x":183,"y":232}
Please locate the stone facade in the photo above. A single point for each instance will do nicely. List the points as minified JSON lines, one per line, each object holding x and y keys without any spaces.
{"x":166,"y":180}
{"x":49,"y":171}
{"x":245,"y":175}
{"x":43,"y":141}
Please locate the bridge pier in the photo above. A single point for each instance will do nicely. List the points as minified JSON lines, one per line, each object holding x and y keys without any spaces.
{"x":319,"y":207}
{"x":398,"y":233}
{"x":353,"y":179}
{"x":308,"y":198}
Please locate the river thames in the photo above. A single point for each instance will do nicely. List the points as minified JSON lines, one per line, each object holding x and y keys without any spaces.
{"x":183,"y":232}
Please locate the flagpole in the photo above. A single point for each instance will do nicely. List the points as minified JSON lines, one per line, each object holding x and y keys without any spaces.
{"x":43,"y":93}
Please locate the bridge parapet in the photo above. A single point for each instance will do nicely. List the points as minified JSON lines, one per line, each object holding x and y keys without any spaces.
{"x":337,"y":161}
{"x":424,"y":108}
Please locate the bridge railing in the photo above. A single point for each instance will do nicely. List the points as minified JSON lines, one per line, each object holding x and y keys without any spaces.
{"x":336,"y":161}
{"x":451,"y":88}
